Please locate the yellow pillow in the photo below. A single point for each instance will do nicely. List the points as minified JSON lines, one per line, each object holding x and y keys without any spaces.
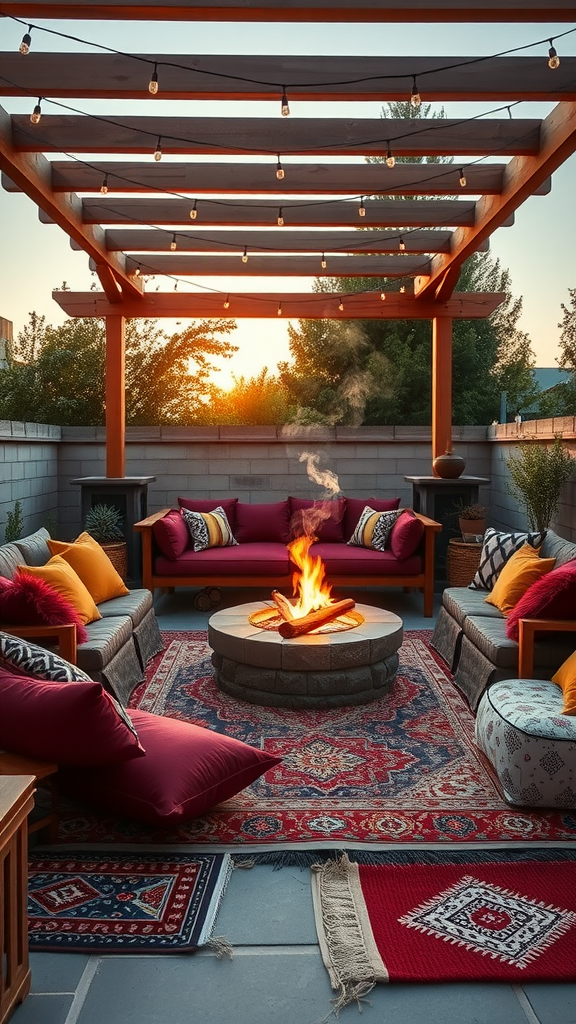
{"x":62,"y":577}
{"x":565,"y":677}
{"x":92,"y":565}
{"x":523,"y":568}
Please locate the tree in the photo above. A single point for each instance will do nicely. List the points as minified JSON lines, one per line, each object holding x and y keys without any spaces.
{"x":57,"y":374}
{"x":252,"y":400}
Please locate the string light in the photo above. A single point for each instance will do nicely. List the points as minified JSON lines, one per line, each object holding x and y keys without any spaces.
{"x":509,"y":109}
{"x":462,"y":178}
{"x":26,"y":41}
{"x":175,"y":286}
{"x":245,"y":255}
{"x":158,"y":150}
{"x":280,"y":218}
{"x":362,"y":208}
{"x":104,"y":185}
{"x":194,"y":210}
{"x":173,"y":243}
{"x":279,"y":169}
{"x":285,"y":104}
{"x":137,"y":271}
{"x":415,"y":99}
{"x":36,"y":113}
{"x":341,"y":306}
{"x":226,"y":302}
{"x":390,"y":160}
{"x":383,"y":296}
{"x":323,"y":262}
{"x":402,"y":288}
{"x":279,"y":310}
{"x":553,"y":58}
{"x":153,"y":83}
{"x":401,"y":244}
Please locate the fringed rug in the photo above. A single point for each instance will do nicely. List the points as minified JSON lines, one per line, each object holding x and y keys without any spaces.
{"x":403,"y":770}
{"x":508,"y":917}
{"x":124,"y":902}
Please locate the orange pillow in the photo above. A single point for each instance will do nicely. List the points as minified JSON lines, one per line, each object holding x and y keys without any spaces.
{"x":523,"y":568}
{"x":92,"y":565}
{"x":62,"y":577}
{"x":565,"y":677}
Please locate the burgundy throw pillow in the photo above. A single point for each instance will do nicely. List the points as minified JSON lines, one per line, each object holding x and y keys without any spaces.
{"x":209,"y":504}
{"x":171,"y":534}
{"x":186,"y":771}
{"x":406,"y":534}
{"x":356,"y":506}
{"x":553,"y":596}
{"x":69,"y":723}
{"x":322,"y":518}
{"x":28,"y":600}
{"x":262,"y":522}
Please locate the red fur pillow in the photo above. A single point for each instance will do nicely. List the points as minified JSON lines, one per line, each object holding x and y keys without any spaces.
{"x":553,"y":596}
{"x":30,"y":601}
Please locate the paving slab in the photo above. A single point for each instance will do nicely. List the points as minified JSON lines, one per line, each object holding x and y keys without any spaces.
{"x":57,"y":972}
{"x":267,"y":907}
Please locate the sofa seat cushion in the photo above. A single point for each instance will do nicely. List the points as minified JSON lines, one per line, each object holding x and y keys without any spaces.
{"x":343,"y":560}
{"x":186,"y":771}
{"x":532,"y":746}
{"x":255,"y":559}
{"x":105,"y":638}
{"x":136,"y":604}
{"x":489,"y":637}
{"x":460,"y":602}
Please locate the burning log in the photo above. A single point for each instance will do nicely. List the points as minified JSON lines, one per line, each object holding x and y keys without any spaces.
{"x":283,"y":605}
{"x":297,"y":627}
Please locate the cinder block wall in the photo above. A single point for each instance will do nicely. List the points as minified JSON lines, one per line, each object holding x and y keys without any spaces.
{"x":29,"y":455}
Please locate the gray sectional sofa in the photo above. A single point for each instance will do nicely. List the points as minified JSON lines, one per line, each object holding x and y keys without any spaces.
{"x":119,"y":644}
{"x":471,"y":635}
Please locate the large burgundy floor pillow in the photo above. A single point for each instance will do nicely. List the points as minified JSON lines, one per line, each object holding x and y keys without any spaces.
{"x":186,"y":770}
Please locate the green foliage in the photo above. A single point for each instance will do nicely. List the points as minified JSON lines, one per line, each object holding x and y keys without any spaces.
{"x":253,"y":400}
{"x":104,"y":522}
{"x":538,"y":474}
{"x":14,"y":523}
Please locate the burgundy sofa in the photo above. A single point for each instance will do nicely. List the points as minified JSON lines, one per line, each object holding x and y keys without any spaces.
{"x":261,"y":556}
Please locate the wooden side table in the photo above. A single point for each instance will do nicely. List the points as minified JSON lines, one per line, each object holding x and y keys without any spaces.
{"x":16,"y":802}
{"x":15,"y":764}
{"x":462,"y":561}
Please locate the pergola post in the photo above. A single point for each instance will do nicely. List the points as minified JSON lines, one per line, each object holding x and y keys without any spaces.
{"x":115,"y":397}
{"x":441,"y":385}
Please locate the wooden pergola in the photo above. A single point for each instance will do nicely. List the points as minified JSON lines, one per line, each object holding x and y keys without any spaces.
{"x":136,"y":216}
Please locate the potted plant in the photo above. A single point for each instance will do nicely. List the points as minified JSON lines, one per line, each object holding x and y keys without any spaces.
{"x":104,"y":523}
{"x":471,"y":520}
{"x":537,"y":474}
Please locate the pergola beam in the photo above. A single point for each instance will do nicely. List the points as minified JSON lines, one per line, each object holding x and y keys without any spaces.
{"x":174,"y":264}
{"x":297,"y":10}
{"x":299,"y":305}
{"x":558,"y":142}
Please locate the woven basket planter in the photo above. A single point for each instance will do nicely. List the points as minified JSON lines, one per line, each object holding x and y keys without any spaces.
{"x":117,"y":552}
{"x":462,"y":561}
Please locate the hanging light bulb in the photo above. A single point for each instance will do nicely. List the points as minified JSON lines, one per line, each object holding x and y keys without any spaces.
{"x":280,"y":218}
{"x":26,"y":41}
{"x":36,"y":113}
{"x":402,"y":244}
{"x":137,"y":271}
{"x":341,"y":306}
{"x":362,"y":208}
{"x":415,"y":99}
{"x":245,"y":255}
{"x":323,"y":262}
{"x":173,"y":243}
{"x":194,"y":210}
{"x":279,"y":169}
{"x":462,"y":178}
{"x":279,"y":310}
{"x":402,"y":288}
{"x":383,"y":296}
{"x":153,"y":83}
{"x":175,"y":286}
{"x":226,"y":302}
{"x":158,"y":150}
{"x":285,"y":104}
{"x":553,"y":58}
{"x":390,"y":160}
{"x":104,"y":185}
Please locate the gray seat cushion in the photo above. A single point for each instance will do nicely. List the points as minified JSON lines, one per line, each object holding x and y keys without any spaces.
{"x":105,"y":638}
{"x":489,"y":637}
{"x":136,"y":605}
{"x":460,"y":602}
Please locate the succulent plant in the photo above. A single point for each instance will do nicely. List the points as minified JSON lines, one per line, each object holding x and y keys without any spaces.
{"x":104,"y":522}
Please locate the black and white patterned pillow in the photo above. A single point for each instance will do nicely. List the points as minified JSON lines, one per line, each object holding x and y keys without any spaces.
{"x":30,"y":660}
{"x":373,"y":529}
{"x":497,"y":548}
{"x":209,"y":529}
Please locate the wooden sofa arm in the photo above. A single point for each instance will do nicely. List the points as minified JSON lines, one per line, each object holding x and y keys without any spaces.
{"x":150,"y":520}
{"x":527,"y":629}
{"x":65,"y":634}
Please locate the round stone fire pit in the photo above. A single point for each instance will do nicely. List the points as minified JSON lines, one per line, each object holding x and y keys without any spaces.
{"x":315,"y":670}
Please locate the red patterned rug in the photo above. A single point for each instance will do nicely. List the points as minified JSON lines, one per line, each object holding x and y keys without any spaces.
{"x":402,"y":770}
{"x":505,"y":917}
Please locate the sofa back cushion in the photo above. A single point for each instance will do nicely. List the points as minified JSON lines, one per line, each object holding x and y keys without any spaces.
{"x":356,"y":506}
{"x":324,"y":519}
{"x":406,"y":534}
{"x":262,"y":522}
{"x":34,"y":548}
{"x":552,"y":597}
{"x":209,"y":504}
{"x":171,"y":534}
{"x":10,"y":559}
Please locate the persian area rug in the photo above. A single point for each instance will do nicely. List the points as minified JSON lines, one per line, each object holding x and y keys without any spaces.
{"x":402,"y":770}
{"x":508,"y":917}
{"x":123,"y":902}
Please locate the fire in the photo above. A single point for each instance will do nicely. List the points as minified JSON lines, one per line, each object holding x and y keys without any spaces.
{"x":310,"y":588}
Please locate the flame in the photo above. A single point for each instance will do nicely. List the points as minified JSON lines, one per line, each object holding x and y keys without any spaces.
{"x":309,"y":585}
